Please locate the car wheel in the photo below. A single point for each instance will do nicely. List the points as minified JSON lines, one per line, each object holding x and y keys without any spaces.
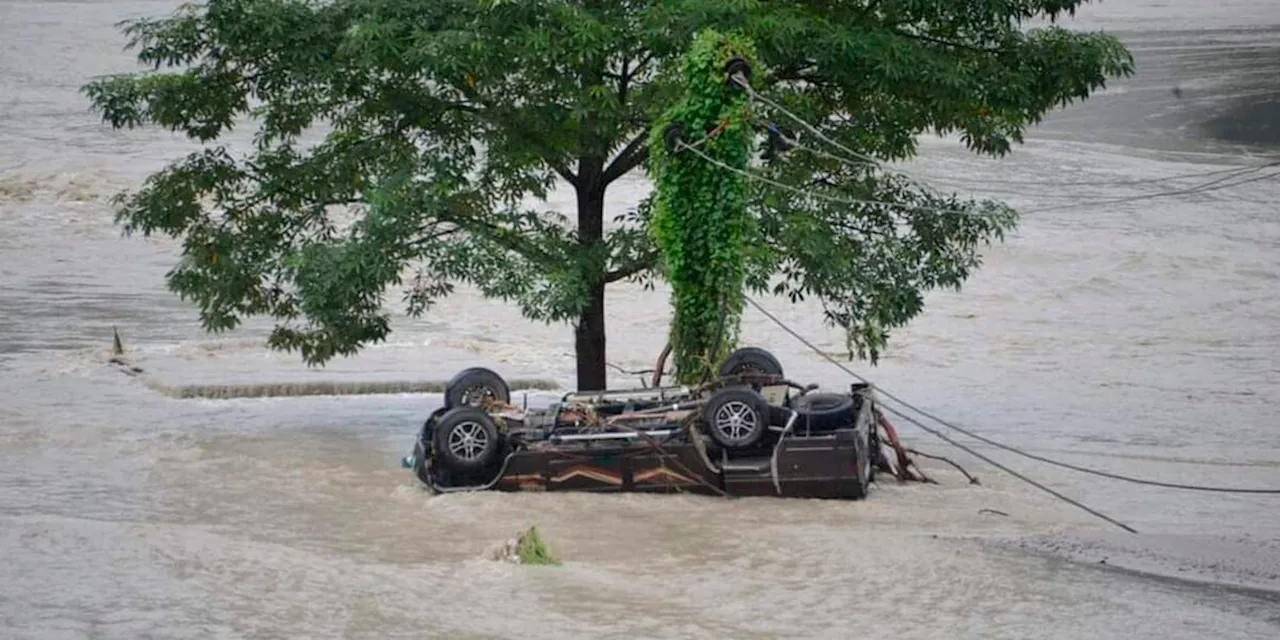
{"x":750,"y":360}
{"x":471,"y":387}
{"x":736,"y":417}
{"x":825,"y":411}
{"x":466,"y":439}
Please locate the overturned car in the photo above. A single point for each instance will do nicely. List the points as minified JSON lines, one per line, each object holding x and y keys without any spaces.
{"x":748,"y":432}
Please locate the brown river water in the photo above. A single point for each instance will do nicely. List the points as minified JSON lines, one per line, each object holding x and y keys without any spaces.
{"x":1140,"y":337}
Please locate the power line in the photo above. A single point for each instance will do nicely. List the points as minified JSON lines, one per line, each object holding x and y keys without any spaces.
{"x":1227,"y":174}
{"x":746,"y":86}
{"x":1234,"y":172}
{"x":682,"y":146}
{"x":999,"y":445}
{"x":1127,"y":183}
{"x":865,"y":159}
{"x":970,"y":451}
{"x":1202,"y":188}
{"x":942,"y":436}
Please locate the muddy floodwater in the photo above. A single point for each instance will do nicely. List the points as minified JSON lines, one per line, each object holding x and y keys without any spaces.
{"x":1135,"y":335}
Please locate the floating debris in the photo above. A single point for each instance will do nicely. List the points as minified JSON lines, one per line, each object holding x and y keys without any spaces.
{"x":533,"y":550}
{"x":118,"y":359}
{"x":527,"y":548}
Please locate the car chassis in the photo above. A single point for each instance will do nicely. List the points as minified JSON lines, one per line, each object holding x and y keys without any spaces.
{"x":748,"y":432}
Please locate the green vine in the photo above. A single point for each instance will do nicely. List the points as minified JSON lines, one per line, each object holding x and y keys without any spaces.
{"x":700,"y":222}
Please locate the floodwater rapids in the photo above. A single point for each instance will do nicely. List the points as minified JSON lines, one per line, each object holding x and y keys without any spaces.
{"x":1140,"y":336}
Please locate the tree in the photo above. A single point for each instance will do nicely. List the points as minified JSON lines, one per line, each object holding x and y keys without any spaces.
{"x":445,"y":117}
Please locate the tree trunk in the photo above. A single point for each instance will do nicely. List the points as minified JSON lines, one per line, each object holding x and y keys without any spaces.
{"x":589,"y":341}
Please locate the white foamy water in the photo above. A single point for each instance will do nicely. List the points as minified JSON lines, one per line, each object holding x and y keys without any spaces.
{"x":1138,"y":337}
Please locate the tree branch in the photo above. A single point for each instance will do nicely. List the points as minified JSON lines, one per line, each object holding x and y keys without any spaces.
{"x":647,"y":261}
{"x":508,"y":239}
{"x":518,"y":132}
{"x":640,"y":66}
{"x":629,"y":158}
{"x":868,"y":10}
{"x":436,"y":234}
{"x":624,"y":83}
{"x":947,"y":43}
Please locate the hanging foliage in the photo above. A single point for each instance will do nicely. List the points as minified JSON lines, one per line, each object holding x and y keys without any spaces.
{"x":700,"y":221}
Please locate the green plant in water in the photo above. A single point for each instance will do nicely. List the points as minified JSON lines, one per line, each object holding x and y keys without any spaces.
{"x":700,"y":222}
{"x":531,"y":549}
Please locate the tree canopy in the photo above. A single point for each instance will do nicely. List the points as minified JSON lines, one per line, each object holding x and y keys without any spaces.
{"x":444,"y":119}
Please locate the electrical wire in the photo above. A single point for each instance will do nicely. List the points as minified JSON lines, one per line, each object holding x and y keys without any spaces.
{"x":865,"y":159}
{"x":751,"y":93}
{"x":942,"y":436}
{"x":1071,"y":501}
{"x":1126,"y":183}
{"x":1227,"y":174}
{"x":1203,"y":188}
{"x":994,"y":443}
{"x":682,"y":146}
{"x":1212,"y":185}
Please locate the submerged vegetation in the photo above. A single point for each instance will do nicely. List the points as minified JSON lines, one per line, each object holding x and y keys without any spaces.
{"x":531,"y":549}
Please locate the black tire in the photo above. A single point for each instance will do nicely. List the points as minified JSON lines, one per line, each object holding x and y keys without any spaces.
{"x":736,"y":417}
{"x":428,"y":427}
{"x":468,"y":386}
{"x":750,"y":360}
{"x":465,"y":439}
{"x":825,"y":411}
